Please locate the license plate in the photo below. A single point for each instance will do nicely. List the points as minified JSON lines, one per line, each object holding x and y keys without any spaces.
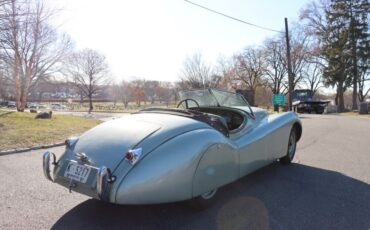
{"x":77,"y":172}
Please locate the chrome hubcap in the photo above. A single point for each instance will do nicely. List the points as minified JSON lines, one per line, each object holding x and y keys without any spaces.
{"x":209,"y":195}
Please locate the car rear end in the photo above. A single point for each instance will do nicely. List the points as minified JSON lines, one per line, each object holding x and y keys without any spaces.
{"x":96,"y":162}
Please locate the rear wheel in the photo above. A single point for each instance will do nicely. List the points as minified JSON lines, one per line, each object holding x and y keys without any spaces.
{"x":292,"y":144}
{"x":204,"y":201}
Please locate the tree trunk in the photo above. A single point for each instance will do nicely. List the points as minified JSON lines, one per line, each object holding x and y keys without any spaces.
{"x":354,"y":93}
{"x":17,"y":80}
{"x":17,"y":92}
{"x":360,"y":95}
{"x":24,"y":93}
{"x":90,"y":93}
{"x":22,"y":104}
{"x":340,"y":97}
{"x":90,"y":103}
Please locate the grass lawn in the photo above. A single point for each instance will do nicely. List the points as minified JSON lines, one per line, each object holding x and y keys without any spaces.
{"x":23,"y":130}
{"x":116,"y":107}
{"x":2,"y":112}
{"x":355,"y":114}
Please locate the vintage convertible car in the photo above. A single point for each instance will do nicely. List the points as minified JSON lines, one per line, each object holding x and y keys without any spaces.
{"x":163,"y":155}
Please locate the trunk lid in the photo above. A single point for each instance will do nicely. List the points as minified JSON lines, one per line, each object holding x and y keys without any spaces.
{"x":108,"y":143}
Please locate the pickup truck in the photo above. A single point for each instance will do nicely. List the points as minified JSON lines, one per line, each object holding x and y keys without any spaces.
{"x":303,"y":102}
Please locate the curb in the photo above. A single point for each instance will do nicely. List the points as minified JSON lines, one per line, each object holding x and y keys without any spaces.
{"x":22,"y":150}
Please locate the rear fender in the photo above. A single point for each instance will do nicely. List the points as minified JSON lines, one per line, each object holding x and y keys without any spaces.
{"x":218,"y":166}
{"x":166,"y":174}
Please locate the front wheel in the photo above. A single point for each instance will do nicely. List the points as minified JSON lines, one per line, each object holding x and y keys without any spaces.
{"x":204,"y":201}
{"x":292,"y":144}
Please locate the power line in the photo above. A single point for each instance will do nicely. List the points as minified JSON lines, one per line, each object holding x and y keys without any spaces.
{"x":233,"y":18}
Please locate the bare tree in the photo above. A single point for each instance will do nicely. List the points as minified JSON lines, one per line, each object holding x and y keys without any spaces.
{"x":275,"y":71}
{"x":165,"y":92}
{"x":226,"y":72}
{"x":138,"y":91}
{"x":30,"y":47}
{"x":312,"y":74}
{"x":249,"y":67}
{"x":197,"y":74}
{"x":2,"y":80}
{"x":299,"y":52}
{"x":2,"y":12}
{"x":89,"y":71}
{"x":113,"y":92}
{"x":314,"y":15}
{"x":150,"y":90}
{"x":126,"y":93}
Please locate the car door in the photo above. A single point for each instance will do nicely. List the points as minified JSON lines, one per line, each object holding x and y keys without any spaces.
{"x":251,"y":143}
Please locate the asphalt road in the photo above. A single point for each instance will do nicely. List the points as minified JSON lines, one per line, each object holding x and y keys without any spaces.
{"x":328,"y":187}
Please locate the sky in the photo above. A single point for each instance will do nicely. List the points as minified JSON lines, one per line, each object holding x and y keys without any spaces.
{"x":150,"y":39}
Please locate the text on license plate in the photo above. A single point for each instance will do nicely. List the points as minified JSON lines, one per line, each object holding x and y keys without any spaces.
{"x":77,"y":172}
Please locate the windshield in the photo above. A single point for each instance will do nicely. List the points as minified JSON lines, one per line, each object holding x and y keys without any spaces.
{"x":213,"y":97}
{"x":229,"y":99}
{"x":203,"y":97}
{"x":302,"y":95}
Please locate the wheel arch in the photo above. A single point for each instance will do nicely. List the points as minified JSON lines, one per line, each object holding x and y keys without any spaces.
{"x":298,"y":128}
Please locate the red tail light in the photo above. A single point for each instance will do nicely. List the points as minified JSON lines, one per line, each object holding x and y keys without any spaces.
{"x":133,"y":155}
{"x":129,"y":155}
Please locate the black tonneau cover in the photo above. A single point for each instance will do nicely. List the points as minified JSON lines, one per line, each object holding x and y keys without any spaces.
{"x":210,"y":119}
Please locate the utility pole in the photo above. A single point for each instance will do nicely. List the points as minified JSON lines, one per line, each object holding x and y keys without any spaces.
{"x":290,"y":74}
{"x":354,"y":56}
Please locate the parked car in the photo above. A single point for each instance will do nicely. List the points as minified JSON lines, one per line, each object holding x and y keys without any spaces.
{"x":33,"y":107}
{"x":11,"y":104}
{"x":161,"y":155}
{"x":43,"y":107}
{"x":3,"y":103}
{"x":57,"y":106}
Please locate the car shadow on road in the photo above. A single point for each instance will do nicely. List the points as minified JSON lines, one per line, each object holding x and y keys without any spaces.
{"x":275,"y":197}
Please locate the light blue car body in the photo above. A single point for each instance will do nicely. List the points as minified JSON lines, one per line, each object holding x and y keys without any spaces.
{"x":181,"y":157}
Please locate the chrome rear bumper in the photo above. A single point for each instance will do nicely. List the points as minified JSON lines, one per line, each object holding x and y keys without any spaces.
{"x":104,"y":180}
{"x":46,"y":164}
{"x":104,"y":177}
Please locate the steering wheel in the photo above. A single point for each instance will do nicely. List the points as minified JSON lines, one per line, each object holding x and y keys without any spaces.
{"x":186,"y":103}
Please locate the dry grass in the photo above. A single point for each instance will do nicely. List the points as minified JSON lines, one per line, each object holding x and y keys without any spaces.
{"x":22,"y":130}
{"x":271,"y":111}
{"x":355,"y":114}
{"x":115,"y":107}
